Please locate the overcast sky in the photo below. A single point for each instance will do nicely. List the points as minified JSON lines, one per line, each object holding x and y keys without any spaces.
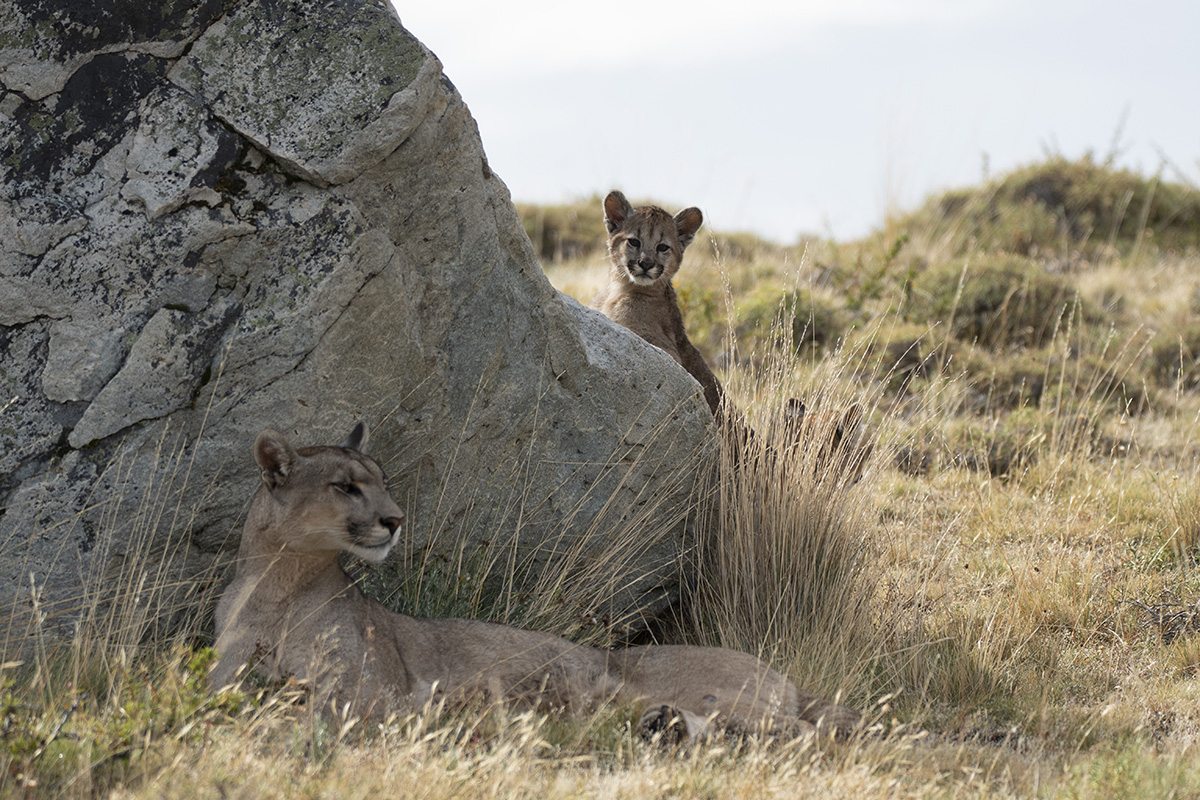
{"x":813,"y":115}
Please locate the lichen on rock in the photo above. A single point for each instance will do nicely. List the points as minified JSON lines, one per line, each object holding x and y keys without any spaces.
{"x":218,"y":217}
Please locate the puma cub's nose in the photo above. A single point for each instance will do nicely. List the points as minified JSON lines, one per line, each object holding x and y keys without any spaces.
{"x":391,"y":523}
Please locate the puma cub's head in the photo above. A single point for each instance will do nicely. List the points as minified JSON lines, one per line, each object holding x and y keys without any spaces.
{"x":323,"y":499}
{"x":646,"y":244}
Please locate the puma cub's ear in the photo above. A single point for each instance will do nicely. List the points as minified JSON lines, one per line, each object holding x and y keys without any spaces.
{"x":616,"y":210}
{"x":275,"y":457}
{"x":357,"y":440}
{"x":687,"y":222}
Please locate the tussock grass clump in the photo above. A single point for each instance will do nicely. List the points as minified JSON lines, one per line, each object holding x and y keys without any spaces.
{"x":1064,"y":209}
{"x":783,"y":569}
{"x":1175,"y":358}
{"x":814,"y":321}
{"x":998,"y":302}
{"x":1185,"y":513}
{"x":579,"y":579}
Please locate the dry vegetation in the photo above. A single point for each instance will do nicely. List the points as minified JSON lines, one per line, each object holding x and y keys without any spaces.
{"x":1010,"y":592}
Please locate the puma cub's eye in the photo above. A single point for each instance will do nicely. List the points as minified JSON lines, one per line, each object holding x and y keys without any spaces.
{"x":664,"y":247}
{"x":633,"y":242}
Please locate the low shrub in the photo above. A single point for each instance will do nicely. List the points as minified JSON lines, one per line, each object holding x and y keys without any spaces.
{"x":799,"y":321}
{"x":567,"y":231}
{"x":997,"y":301}
{"x":1064,"y":209}
{"x":1175,"y":358}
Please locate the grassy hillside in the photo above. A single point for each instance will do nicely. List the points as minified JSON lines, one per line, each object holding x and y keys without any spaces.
{"x":1009,"y":592}
{"x":1029,"y":349}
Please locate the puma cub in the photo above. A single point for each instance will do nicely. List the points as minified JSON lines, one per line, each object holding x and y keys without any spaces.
{"x":645,"y":249}
{"x":837,"y":442}
{"x":291,"y":610}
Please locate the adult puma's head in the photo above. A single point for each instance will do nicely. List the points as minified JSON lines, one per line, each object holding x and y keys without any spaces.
{"x":323,"y":499}
{"x":646,"y":244}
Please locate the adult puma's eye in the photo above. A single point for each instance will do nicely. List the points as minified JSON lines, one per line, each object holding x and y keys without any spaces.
{"x":664,"y":247}
{"x":348,"y":488}
{"x":633,"y":242}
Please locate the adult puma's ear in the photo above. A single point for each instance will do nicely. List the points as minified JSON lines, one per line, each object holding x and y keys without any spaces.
{"x":275,"y":457}
{"x":687,"y":222}
{"x":357,"y":440}
{"x":794,"y":409}
{"x":852,"y":416}
{"x":616,"y":210}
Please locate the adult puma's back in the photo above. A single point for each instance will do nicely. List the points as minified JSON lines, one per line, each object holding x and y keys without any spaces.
{"x":292,"y":611}
{"x":645,"y":249}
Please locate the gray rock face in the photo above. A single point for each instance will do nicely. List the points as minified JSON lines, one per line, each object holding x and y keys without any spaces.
{"x":220,"y":216}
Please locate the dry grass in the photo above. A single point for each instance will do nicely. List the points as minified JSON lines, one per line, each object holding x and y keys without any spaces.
{"x":1009,"y":592}
{"x":581,"y":579}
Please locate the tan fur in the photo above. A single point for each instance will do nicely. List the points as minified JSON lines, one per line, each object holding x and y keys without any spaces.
{"x":292,"y":611}
{"x":841,"y":441}
{"x":645,"y":249}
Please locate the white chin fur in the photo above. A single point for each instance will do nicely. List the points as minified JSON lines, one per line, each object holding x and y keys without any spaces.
{"x":375,"y":553}
{"x":642,"y":280}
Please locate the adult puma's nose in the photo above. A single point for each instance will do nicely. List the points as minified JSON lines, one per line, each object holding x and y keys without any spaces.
{"x":392,"y":523}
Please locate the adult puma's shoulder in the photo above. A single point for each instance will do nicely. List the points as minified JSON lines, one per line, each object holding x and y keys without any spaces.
{"x":292,"y":611}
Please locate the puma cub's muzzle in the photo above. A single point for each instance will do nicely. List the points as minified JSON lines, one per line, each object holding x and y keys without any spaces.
{"x":644,"y":273}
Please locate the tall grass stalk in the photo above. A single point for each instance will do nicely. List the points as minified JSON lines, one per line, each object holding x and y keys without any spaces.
{"x":606,"y":566}
{"x":782,"y":568}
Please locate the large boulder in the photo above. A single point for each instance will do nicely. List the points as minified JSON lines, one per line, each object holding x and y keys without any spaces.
{"x":223,"y":216}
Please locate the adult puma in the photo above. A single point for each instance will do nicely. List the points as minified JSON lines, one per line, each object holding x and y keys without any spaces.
{"x":291,"y":610}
